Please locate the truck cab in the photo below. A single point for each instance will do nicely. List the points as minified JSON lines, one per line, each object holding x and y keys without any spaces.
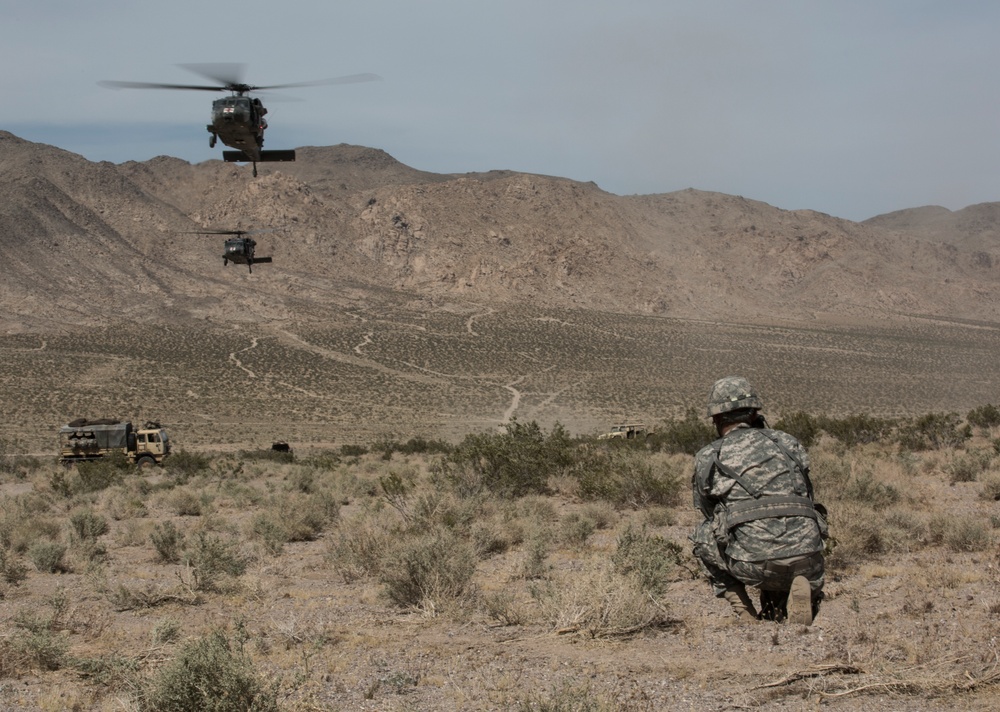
{"x":152,"y":442}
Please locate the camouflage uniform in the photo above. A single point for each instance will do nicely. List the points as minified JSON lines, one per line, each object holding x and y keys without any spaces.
{"x":760,"y":527}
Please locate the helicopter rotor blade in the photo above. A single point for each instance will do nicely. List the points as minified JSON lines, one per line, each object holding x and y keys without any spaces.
{"x":225,"y":73}
{"x":213,"y":231}
{"x":349,"y":79}
{"x":153,"y":85}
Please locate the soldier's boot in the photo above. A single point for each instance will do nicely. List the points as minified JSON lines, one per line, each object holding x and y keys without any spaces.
{"x":739,"y":599}
{"x":800,"y":604}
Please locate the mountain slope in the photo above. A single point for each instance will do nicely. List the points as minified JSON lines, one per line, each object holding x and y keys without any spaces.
{"x":93,"y":241}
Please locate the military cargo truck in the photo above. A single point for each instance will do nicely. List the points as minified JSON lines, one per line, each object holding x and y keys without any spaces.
{"x":83,"y":440}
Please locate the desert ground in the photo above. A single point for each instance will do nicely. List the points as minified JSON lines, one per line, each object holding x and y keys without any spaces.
{"x":440,"y":352}
{"x":376,"y":569}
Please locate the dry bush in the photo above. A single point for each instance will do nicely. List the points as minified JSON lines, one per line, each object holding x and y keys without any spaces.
{"x":502,"y":607}
{"x":123,"y":503}
{"x":25,"y":519}
{"x":48,"y":557}
{"x":168,"y":541}
{"x":599,"y":603}
{"x":428,"y":569}
{"x":968,"y":466}
{"x":213,"y":674}
{"x":188,"y":502}
{"x":649,"y":559}
{"x":294,"y":516}
{"x":629,"y":478}
{"x":212,"y":561}
{"x":991,"y":488}
{"x":967,"y":533}
{"x":359,"y":547}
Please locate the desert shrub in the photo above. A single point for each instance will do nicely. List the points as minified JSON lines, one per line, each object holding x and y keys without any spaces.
{"x":575,"y":528}
{"x":302,"y":479}
{"x":856,"y":429}
{"x":43,"y":649}
{"x":23,"y":521}
{"x":48,"y":556}
{"x":859,"y":533}
{"x":168,"y":541}
{"x":967,"y":533}
{"x":359,"y":550}
{"x":934,"y":431}
{"x":985,"y":416}
{"x":306,"y":516}
{"x":210,"y":674}
{"x":600,"y":603}
{"x":686,"y":435}
{"x":495,"y":535}
{"x":428,"y":568}
{"x":353,"y":450}
{"x":112,"y":672}
{"x":270,"y":531}
{"x":186,"y":503}
{"x":566,"y":697}
{"x":501,"y":607}
{"x":536,"y":552}
{"x":122,"y":503}
{"x":627,"y":478}
{"x":95,"y":475}
{"x":991,"y":489}
{"x":648,"y":558}
{"x":967,"y":467}
{"x":12,"y":571}
{"x":184,"y":465}
{"x":88,"y":525}
{"x":167,"y":630}
{"x":511,"y":464}
{"x":211,"y":560}
{"x":865,"y":489}
{"x":800,"y":425}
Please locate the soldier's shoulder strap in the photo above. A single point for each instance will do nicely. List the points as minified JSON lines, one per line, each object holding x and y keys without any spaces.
{"x":729,"y":472}
{"x":803,"y":470}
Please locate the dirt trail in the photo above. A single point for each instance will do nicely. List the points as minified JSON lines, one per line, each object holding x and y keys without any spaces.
{"x":239,"y":364}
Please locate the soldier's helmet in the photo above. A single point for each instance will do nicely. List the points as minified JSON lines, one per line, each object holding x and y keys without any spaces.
{"x":732,"y":393}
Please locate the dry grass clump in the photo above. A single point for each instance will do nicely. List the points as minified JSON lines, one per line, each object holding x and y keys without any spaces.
{"x":598,"y":602}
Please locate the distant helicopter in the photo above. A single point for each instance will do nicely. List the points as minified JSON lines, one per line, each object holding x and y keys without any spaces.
{"x":238,"y":249}
{"x":238,"y":119}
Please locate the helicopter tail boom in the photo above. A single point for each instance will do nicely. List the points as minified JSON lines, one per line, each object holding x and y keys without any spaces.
{"x":265,"y":157}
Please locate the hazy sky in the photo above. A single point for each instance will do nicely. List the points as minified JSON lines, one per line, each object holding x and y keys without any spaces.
{"x":849,"y":107}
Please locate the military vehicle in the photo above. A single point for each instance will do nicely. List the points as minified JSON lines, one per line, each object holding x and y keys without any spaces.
{"x":82,"y":440}
{"x":238,"y":119}
{"x":625,"y":431}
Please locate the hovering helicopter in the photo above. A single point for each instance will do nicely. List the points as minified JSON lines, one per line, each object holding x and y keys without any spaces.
{"x":239,"y":248}
{"x":238,"y":119}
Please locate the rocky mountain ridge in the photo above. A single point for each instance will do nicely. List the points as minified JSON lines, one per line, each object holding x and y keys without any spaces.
{"x":91,"y":242}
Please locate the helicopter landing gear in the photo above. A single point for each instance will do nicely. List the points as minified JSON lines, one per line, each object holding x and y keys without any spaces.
{"x":225,"y":261}
{"x":211,"y":141}
{"x":255,"y":169}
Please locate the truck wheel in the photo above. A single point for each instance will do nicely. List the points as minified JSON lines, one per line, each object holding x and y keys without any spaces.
{"x":145,"y":461}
